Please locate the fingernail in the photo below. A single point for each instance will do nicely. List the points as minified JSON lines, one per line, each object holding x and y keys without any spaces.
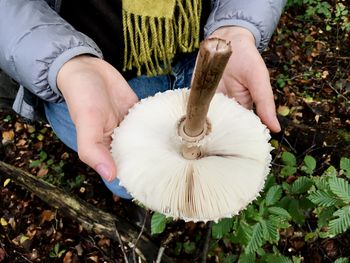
{"x":278,"y":125}
{"x":103,"y":170}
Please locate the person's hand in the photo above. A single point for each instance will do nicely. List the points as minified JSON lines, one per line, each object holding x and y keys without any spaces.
{"x":98,"y":98}
{"x":246,"y":77}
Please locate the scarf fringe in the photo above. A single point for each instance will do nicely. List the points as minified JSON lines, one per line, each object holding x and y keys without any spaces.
{"x":150,"y":43}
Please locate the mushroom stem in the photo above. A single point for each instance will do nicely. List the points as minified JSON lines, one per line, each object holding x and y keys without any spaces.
{"x":212,"y":58}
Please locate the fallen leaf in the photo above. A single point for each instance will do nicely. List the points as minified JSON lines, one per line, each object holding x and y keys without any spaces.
{"x":18,"y":126}
{"x":2,"y":254}
{"x":64,"y":156}
{"x":30,"y":128}
{"x":7,"y":181}
{"x":317,"y":117}
{"x":309,"y":38}
{"x":94,"y":258}
{"x":42,"y":172}
{"x":33,"y":255}
{"x":274,"y":143}
{"x":3,"y":222}
{"x":47,"y":216}
{"x":115,"y":198}
{"x":38,"y":145}
{"x":23,"y":239}
{"x":68,"y":257}
{"x":325,"y":74}
{"x":40,"y":137}
{"x":12,"y":223}
{"x":104,"y":242}
{"x":283,"y":110}
{"x":8,"y":136}
{"x":31,"y":231}
{"x":79,"y":249}
{"x":21,"y":142}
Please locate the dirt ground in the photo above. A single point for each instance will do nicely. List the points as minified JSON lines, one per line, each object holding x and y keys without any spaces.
{"x":309,"y":68}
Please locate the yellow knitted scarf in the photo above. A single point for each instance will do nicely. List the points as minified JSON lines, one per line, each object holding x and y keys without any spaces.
{"x":155,"y":30}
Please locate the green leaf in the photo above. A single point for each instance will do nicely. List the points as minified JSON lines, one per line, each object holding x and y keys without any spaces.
{"x":288,"y":170}
{"x":341,"y":188}
{"x":56,"y":248}
{"x":273,"y":195}
{"x":321,"y":182}
{"x":342,"y":260}
{"x":289,"y":159}
{"x":295,"y":211}
{"x":262,"y":208}
{"x":323,"y":198}
{"x":270,"y":231}
{"x":35,"y":163}
{"x":345,"y":165}
{"x":331,"y":171}
{"x":189,"y":247}
{"x":296,"y":259}
{"x":325,"y":216}
{"x":243,"y":233}
{"x":158,"y":223}
{"x":23,"y":239}
{"x":228,"y":258}
{"x":277,"y":258}
{"x":43,"y":156}
{"x":178,"y":248}
{"x":301,"y":185}
{"x":252,"y":213}
{"x":247,"y":258}
{"x":311,"y":236}
{"x":257,"y":238}
{"x":305,"y":203}
{"x":60,"y":254}
{"x":260,"y":252}
{"x":309,"y":164}
{"x":279,"y":211}
{"x":270,"y":181}
{"x":221,"y":228}
{"x":279,"y":222}
{"x":342,"y":223}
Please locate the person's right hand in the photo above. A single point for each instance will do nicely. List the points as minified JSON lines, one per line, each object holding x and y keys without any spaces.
{"x":98,"y":98}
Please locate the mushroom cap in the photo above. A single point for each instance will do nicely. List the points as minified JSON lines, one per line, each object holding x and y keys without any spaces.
{"x":230,"y":174}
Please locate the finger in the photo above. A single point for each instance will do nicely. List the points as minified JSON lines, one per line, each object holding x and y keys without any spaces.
{"x":221,"y":87}
{"x":261,"y":92}
{"x":93,"y":149}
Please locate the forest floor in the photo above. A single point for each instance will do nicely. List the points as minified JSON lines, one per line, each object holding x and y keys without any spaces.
{"x":309,"y":64}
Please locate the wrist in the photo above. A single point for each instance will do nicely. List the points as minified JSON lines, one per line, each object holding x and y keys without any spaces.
{"x":75,"y":69}
{"x":234,"y":33}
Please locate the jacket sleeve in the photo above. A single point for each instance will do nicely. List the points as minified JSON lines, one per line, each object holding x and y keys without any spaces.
{"x":260,"y":17}
{"x":34,"y":44}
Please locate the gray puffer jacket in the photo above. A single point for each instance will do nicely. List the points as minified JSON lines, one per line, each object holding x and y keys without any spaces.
{"x":35,"y":41}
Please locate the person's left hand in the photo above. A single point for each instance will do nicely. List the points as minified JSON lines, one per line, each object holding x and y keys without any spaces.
{"x":246,"y":77}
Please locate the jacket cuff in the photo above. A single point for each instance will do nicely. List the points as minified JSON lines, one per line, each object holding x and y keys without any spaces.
{"x":235,"y":22}
{"x":62,"y":59}
{"x":260,"y":17}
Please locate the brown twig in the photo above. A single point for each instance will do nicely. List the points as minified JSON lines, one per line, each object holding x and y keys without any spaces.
{"x":121,"y":245}
{"x":206,"y":242}
{"x":90,"y":217}
{"x":140,"y":234}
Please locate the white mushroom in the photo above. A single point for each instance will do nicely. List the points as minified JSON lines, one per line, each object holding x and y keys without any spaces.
{"x":177,"y":157}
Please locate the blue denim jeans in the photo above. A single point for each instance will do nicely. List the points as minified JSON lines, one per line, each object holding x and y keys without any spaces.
{"x":58,"y":116}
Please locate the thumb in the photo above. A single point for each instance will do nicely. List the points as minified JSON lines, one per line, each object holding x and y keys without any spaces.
{"x":262,"y":95}
{"x":93,"y":149}
{"x":267,"y":113}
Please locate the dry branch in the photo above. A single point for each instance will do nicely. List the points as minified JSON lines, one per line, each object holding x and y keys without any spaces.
{"x":90,"y":217}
